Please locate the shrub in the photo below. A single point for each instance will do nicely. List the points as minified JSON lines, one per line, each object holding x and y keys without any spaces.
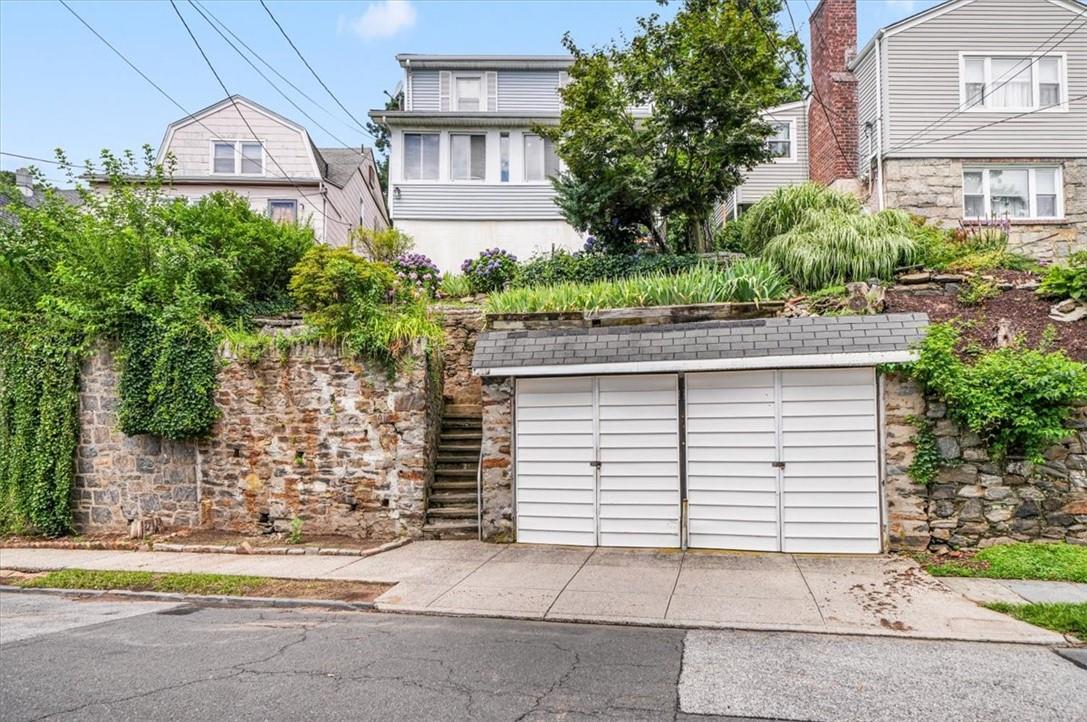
{"x":971,"y":247}
{"x":454,"y":285}
{"x":565,"y":267}
{"x":1066,"y":281}
{"x":1017,"y":399}
{"x":384,"y":246}
{"x":419,"y":272}
{"x":786,"y":207}
{"x":492,"y":270}
{"x":747,"y":280}
{"x":729,"y":237}
{"x":977,"y":290}
{"x":832,"y":247}
{"x":331,"y":284}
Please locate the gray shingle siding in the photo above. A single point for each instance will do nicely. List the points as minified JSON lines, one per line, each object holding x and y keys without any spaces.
{"x":699,"y":341}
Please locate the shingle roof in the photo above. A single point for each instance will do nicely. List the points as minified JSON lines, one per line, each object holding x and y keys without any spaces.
{"x":701,"y":341}
{"x":339,"y":164}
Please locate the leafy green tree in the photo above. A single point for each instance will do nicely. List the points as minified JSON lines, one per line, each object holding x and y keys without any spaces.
{"x":665,"y":124}
{"x":381,"y":143}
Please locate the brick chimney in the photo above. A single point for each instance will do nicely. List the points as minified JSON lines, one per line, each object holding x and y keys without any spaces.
{"x":833,"y":44}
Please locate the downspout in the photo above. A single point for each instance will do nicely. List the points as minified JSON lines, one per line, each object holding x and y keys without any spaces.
{"x":879,"y":119}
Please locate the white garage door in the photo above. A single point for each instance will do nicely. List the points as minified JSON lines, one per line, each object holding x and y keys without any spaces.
{"x":783,"y":460}
{"x":630,"y":425}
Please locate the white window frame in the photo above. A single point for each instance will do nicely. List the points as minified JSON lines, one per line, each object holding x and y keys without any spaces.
{"x":984,"y":107}
{"x":1032,"y":195}
{"x":404,"y":157}
{"x":454,"y":97}
{"x":791,"y":158}
{"x":297,"y":206}
{"x":546,"y":180}
{"x":449,"y":155}
{"x":237,"y":158}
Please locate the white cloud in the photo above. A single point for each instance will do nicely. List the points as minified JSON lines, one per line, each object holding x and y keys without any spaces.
{"x":381,"y":19}
{"x":907,"y":6}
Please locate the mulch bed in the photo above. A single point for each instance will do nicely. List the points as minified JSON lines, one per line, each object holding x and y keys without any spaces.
{"x":1028,"y":314}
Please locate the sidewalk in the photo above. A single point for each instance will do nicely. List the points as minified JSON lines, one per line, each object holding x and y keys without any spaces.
{"x":1017,"y":591}
{"x":878,"y":595}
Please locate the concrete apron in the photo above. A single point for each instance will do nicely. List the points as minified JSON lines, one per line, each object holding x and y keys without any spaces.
{"x":865,"y":595}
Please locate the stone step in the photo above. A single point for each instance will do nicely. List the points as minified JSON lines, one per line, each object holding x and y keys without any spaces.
{"x":453,"y":512}
{"x":465,"y":424}
{"x":466,"y":449}
{"x":443,"y":486}
{"x":462,"y":436}
{"x":451,"y":529}
{"x":457,"y":457}
{"x":452,"y":498}
{"x":460,"y":410}
{"x":454,"y":474}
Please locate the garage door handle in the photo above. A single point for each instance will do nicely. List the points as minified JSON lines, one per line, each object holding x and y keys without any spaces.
{"x":595,"y":464}
{"x":778,"y":464}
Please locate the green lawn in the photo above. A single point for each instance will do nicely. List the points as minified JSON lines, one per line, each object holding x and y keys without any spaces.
{"x":147,"y":582}
{"x":1054,"y":562}
{"x":1065,"y":618}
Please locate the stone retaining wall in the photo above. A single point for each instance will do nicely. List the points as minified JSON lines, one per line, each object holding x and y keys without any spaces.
{"x":462,"y":327}
{"x":976,"y":501}
{"x":496,"y":460}
{"x":333,"y":441}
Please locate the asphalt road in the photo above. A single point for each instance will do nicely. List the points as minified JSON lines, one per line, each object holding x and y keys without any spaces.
{"x":68,"y":659}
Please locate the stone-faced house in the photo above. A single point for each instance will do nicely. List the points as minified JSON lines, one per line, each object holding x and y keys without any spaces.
{"x":971,"y":110}
{"x":241,"y":146}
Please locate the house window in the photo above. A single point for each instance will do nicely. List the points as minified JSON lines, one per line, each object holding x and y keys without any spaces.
{"x":1011,"y":192}
{"x":467,"y":91}
{"x":283,"y":210}
{"x":504,"y":157}
{"x":781,"y":140}
{"x":541,"y":162}
{"x":237,"y":158}
{"x":468,"y":157}
{"x":1012,"y":82}
{"x":421,"y":156}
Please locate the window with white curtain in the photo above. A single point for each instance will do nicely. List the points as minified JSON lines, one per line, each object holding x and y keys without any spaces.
{"x":1012,"y":192}
{"x":468,"y":157}
{"x":421,"y":156}
{"x":781,"y":140}
{"x":467,"y":92}
{"x":1012,"y":82}
{"x":541,"y":162}
{"x":237,"y":157}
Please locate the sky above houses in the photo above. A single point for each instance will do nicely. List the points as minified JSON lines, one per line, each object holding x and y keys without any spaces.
{"x":60,"y":86}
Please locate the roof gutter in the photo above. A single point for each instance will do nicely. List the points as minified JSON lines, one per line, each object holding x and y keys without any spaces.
{"x":837,"y":360}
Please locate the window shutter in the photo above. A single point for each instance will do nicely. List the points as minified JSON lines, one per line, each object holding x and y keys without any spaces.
{"x":491,"y":80}
{"x":564,"y":78}
{"x":445,"y":79}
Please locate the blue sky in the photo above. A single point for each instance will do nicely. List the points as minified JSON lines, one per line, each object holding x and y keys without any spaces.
{"x":60,"y":86}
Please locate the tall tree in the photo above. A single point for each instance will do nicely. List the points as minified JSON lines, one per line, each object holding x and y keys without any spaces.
{"x":664,"y":125}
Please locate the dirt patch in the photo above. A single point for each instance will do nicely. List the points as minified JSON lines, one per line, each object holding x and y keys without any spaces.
{"x":1027,"y":314}
{"x":211,"y":537}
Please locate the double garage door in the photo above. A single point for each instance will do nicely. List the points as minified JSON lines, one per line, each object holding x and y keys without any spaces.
{"x":766,"y":460}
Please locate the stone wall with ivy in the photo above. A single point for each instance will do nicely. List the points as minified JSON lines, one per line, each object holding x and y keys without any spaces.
{"x":304,"y":433}
{"x":975,"y":500}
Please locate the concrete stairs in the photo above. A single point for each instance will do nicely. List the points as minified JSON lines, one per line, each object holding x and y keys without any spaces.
{"x":452,"y":504}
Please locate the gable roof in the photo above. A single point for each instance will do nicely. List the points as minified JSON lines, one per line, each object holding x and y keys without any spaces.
{"x":709,"y":345}
{"x":337,"y":164}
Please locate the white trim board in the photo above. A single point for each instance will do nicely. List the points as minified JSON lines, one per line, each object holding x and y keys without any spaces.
{"x":873,"y":358}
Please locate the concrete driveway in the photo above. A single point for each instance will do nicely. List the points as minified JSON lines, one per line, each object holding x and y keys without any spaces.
{"x":881,"y":595}
{"x":873,"y":595}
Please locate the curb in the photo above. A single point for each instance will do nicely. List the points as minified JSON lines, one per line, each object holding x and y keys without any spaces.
{"x":204,"y":600}
{"x":216,"y":549}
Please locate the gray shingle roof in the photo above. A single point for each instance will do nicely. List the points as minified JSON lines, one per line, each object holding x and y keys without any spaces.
{"x":707,"y":340}
{"x":340,"y":163}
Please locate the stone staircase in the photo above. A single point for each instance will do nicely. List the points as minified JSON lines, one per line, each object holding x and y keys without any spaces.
{"x":452,"y":505}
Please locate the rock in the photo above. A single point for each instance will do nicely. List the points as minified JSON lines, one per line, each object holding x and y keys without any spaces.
{"x":962,"y":474}
{"x":997,"y":493}
{"x":971,"y":510}
{"x":948,"y":278}
{"x":949,"y":447}
{"x":913,"y":279}
{"x":998,"y":515}
{"x":995,"y":541}
{"x":1027,"y":510}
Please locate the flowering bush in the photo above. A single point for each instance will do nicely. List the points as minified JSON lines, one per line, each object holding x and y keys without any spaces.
{"x":491,"y":271}
{"x":417,"y":271}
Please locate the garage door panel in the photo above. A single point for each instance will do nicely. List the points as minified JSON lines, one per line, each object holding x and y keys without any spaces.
{"x":830,"y":514}
{"x":632,"y":411}
{"x":724,"y":541}
{"x":829,"y":454}
{"x":728,"y":497}
{"x":832,"y":469}
{"x":830,"y":484}
{"x":713,"y":381}
{"x":564,"y":399}
{"x":553,"y":468}
{"x":835,"y":499}
{"x":826,"y":377}
{"x":548,"y":510}
{"x":641,"y":426}
{"x":736,"y":469}
{"x":826,"y":423}
{"x":828,"y":438}
{"x":729,"y":513}
{"x":712,"y":411}
{"x":637,"y":539}
{"x":581,"y":429}
{"x":726,"y":454}
{"x":551,"y":536}
{"x":697,"y":484}
{"x":633,"y":483}
{"x":732,"y":395}
{"x":823,"y":545}
{"x":734,"y":527}
{"x":633,"y":496}
{"x":546,"y":453}
{"x":555,"y":413}
{"x":528,"y":387}
{"x":657,"y":470}
{"x":621,"y":397}
{"x":556,"y":496}
{"x":544,"y":521}
{"x":747,"y":438}
{"x":716,"y":425}
{"x":642,"y":516}
{"x":832,"y":531}
{"x":847,"y":407}
{"x":827,"y":393}
{"x":650,"y":453}
{"x":647,"y":440}
{"x":551,"y":481}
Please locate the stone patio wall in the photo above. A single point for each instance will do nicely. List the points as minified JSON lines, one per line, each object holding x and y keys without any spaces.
{"x":975,"y":500}
{"x":497,"y":460}
{"x":462,"y":327}
{"x":338,"y":443}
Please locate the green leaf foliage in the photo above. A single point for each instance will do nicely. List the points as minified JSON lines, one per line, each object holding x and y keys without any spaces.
{"x":565,"y":267}
{"x":1019,"y":400}
{"x":1066,"y":280}
{"x":785,"y":208}
{"x":829,"y":247}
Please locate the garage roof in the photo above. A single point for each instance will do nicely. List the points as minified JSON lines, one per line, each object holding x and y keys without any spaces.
{"x":703,"y":346}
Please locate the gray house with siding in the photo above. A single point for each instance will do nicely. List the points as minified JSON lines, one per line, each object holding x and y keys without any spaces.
{"x":467,"y":172}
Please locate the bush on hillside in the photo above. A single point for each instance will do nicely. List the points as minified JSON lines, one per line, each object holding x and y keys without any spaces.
{"x":832,"y":247}
{"x":785,"y":208}
{"x":1066,"y":280}
{"x":565,"y":267}
{"x":419,"y":272}
{"x":384,"y":246}
{"x":492,"y":270}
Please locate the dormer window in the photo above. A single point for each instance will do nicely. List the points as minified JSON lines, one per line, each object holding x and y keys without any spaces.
{"x":467,"y":92}
{"x":237,"y":158}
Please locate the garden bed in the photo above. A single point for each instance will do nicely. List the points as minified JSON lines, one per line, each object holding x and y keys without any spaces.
{"x":209,"y":541}
{"x":649,"y":316}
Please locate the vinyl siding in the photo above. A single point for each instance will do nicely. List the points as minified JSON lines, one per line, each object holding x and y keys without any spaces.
{"x":923,"y":82}
{"x":766,"y":178}
{"x":528,"y":91}
{"x":867,"y":111}
{"x":424,"y":90}
{"x":349,"y":201}
{"x":190,"y":143}
{"x":442,"y":201}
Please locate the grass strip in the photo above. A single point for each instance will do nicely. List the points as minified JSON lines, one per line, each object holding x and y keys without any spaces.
{"x":1067,"y":618}
{"x":184,"y":583}
{"x":1050,"y":562}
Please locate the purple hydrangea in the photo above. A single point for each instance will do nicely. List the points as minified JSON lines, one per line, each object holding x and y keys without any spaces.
{"x":418,"y":272}
{"x":490,"y":271}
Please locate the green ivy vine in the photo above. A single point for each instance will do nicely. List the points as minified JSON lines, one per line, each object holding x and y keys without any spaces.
{"x":927,"y":459}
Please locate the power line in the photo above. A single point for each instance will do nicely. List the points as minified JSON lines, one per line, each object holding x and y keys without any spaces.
{"x":286,"y":97}
{"x":301,"y":57}
{"x":241,"y":115}
{"x":46,"y":160}
{"x":1032,"y":57}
